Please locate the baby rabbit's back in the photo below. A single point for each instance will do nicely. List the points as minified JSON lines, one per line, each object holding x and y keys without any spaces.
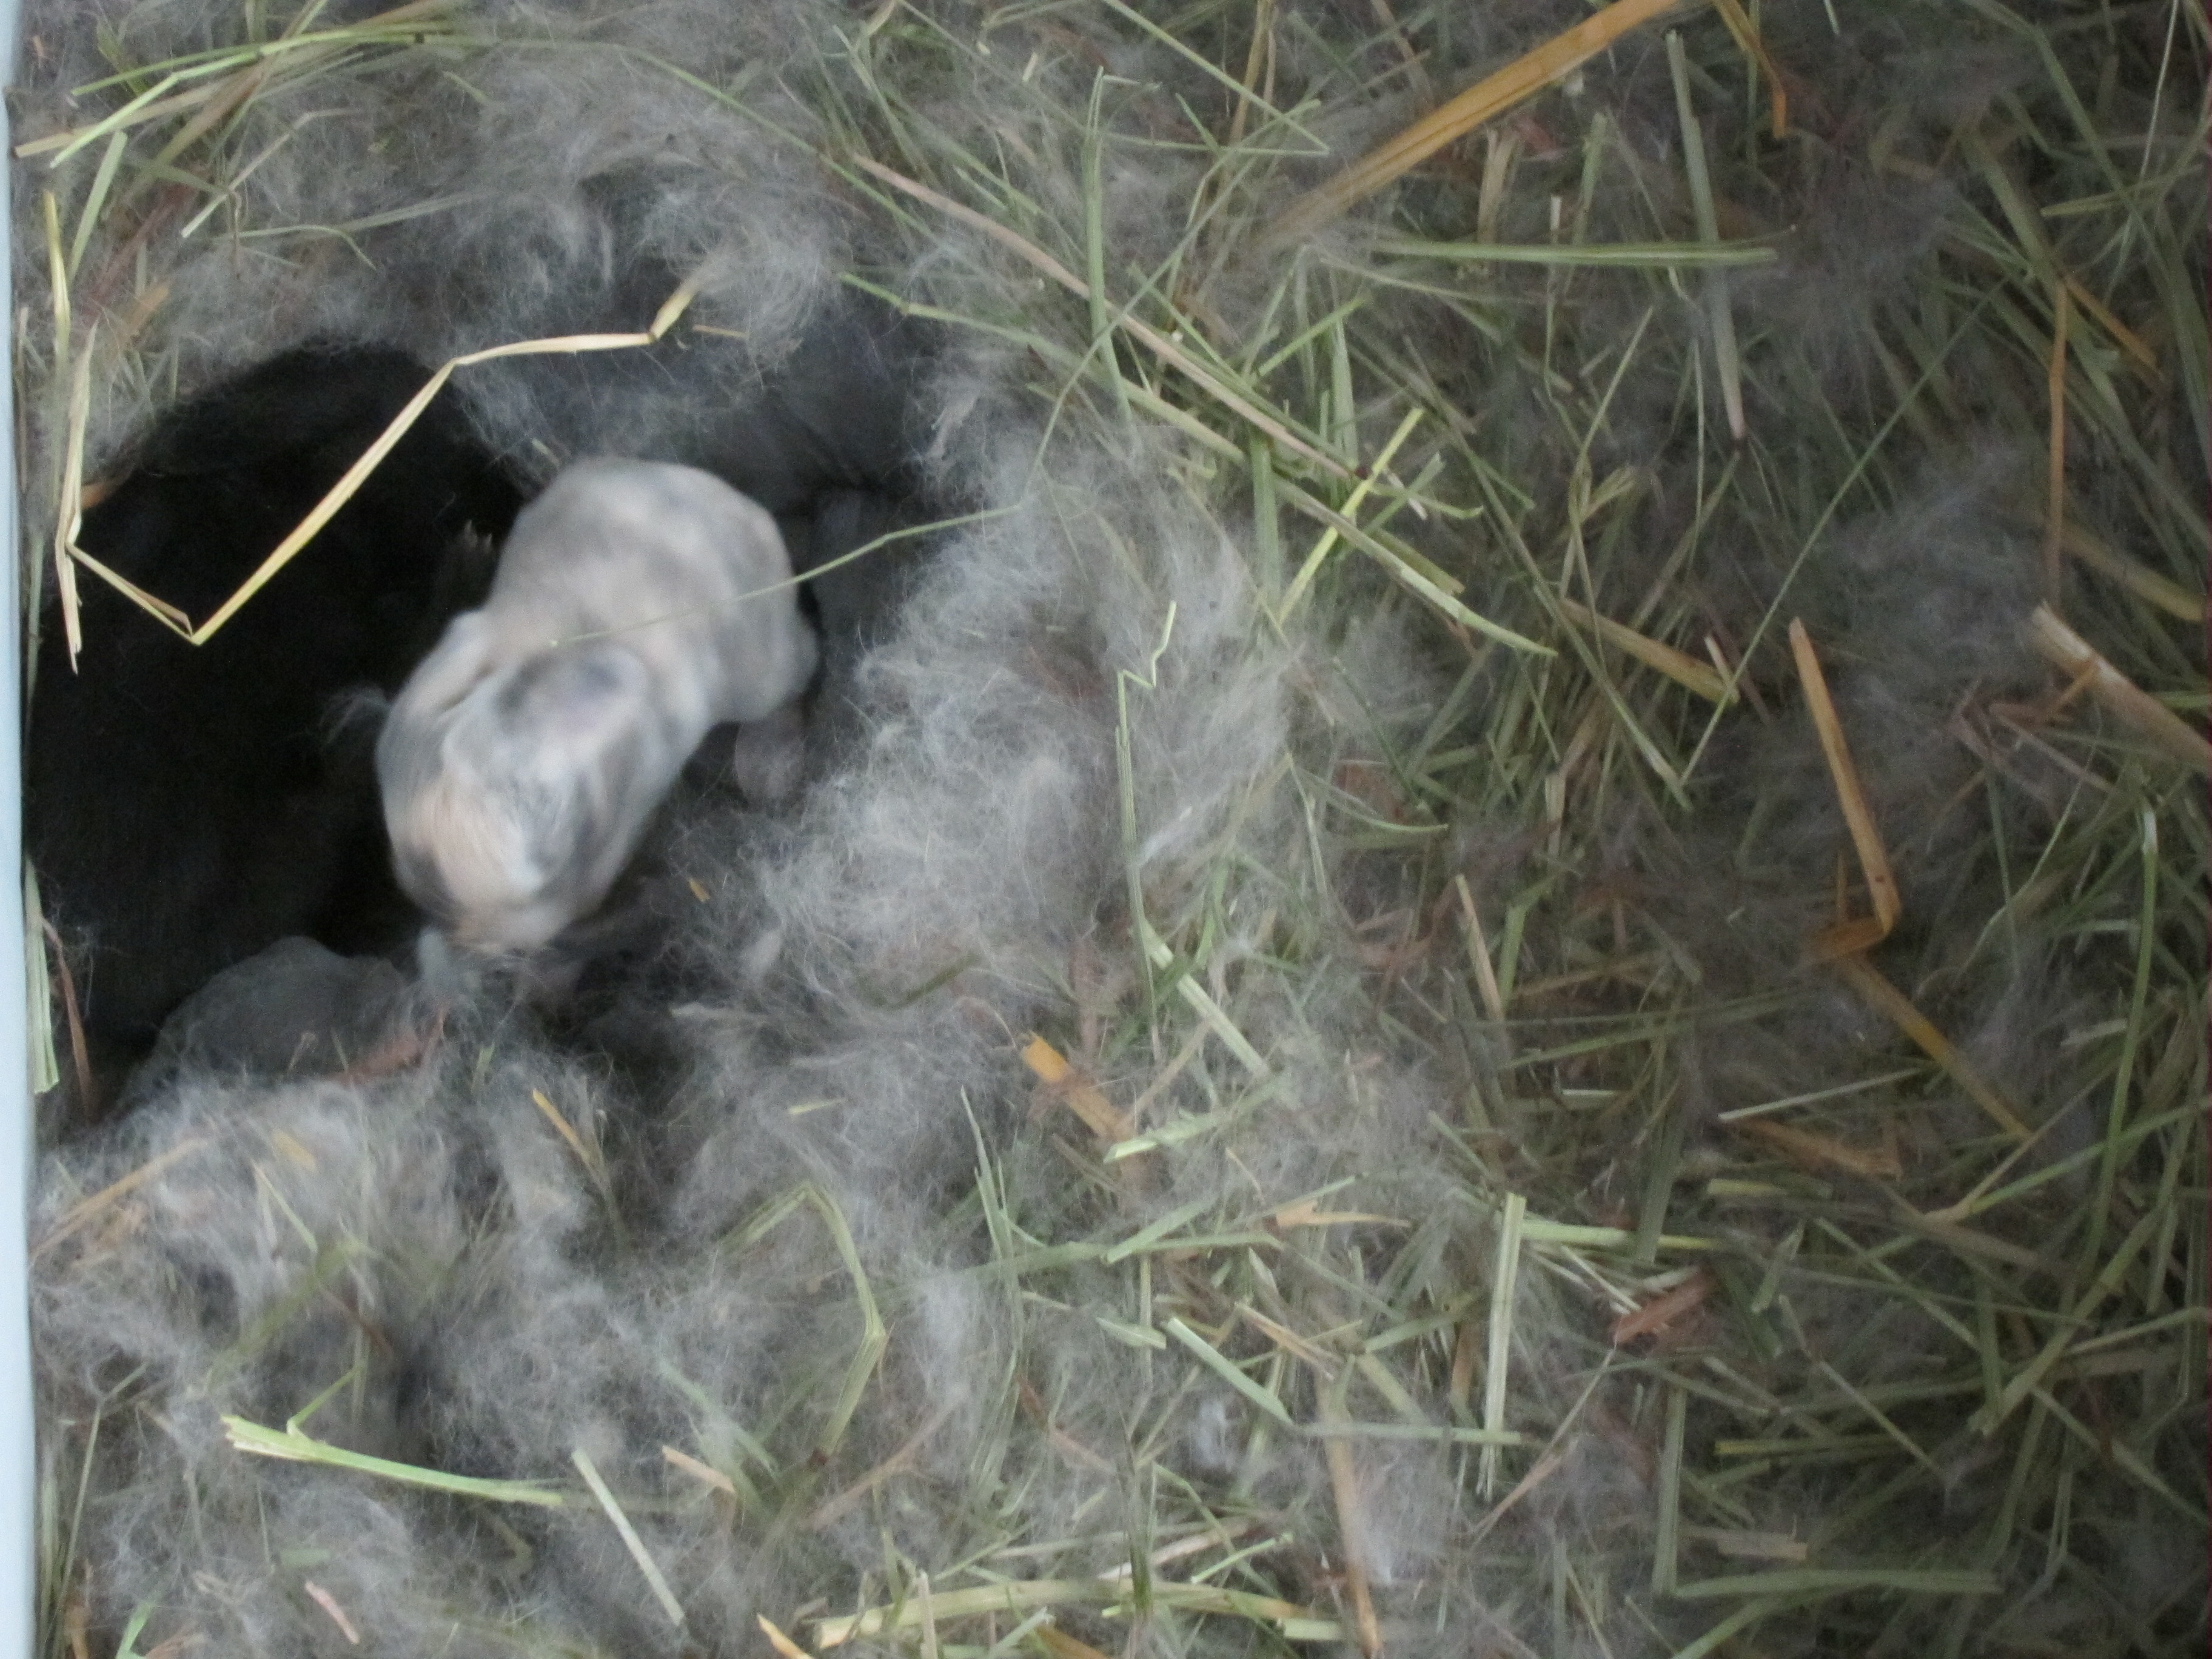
{"x":671,"y":563}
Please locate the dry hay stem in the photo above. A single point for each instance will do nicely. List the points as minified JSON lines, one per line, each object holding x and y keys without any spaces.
{"x":67,"y":552}
{"x":1486,"y":100}
{"x":2070,"y":653}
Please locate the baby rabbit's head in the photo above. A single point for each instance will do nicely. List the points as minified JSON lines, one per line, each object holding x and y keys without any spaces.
{"x":514,"y":791}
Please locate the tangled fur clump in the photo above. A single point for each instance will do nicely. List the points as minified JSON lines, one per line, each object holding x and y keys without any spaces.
{"x":1371,"y":1247}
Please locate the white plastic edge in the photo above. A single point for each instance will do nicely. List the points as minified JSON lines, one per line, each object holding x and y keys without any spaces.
{"x":18,"y":1435}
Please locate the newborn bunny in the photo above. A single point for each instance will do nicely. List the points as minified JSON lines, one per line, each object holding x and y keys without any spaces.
{"x":522,"y":761}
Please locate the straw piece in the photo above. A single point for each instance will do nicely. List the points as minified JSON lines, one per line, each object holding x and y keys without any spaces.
{"x":2168,"y":596}
{"x":1504,"y":1282}
{"x":72,"y":495}
{"x":1567,"y":1234}
{"x":1873,"y":858}
{"x":356,"y":475}
{"x":1814,"y":1151}
{"x":631,"y":1541}
{"x":1477,"y":950}
{"x":875,"y":1336}
{"x":1207,"y":66}
{"x":1727,"y":361}
{"x":1397,"y":566}
{"x":1165,"y":1080}
{"x":1061,"y":1646}
{"x":1604,"y":256}
{"x":705,"y":1473}
{"x":89,"y":1209}
{"x":1094,"y":245}
{"x":1965,"y":1241}
{"x":140,"y":108}
{"x":1663,"y":1309}
{"x":1033,"y":1407}
{"x":1838,"y":1581}
{"x":2054,"y":511}
{"x":1547,"y":1464}
{"x":88,"y":216}
{"x":1854,"y":936}
{"x":2027,"y":223}
{"x":1349,"y":510}
{"x":1746,"y":1546}
{"x":294,"y":1445}
{"x":1187,"y":988}
{"x":1305,"y":1213}
{"x":329,"y":1603}
{"x":1730,"y":1627}
{"x":407,"y":1046}
{"x":1351,"y":1523}
{"x":1222,"y":1367}
{"x":1746,"y":39}
{"x":1487,"y":99}
{"x":2125,"y":1458}
{"x":233,"y":93}
{"x":1026,"y":1595}
{"x":2133,"y":345}
{"x":1259,"y":54}
{"x":39,"y":936}
{"x":1459,"y":1389}
{"x":2073,"y":655}
{"x":837,"y":1506}
{"x":1434,"y":1434}
{"x":1881,"y":1420}
{"x":783,"y":1644}
{"x":1666,"y":1545}
{"x":404,"y":26}
{"x":567,"y":1131}
{"x":57,"y":272}
{"x":2075,"y":1318}
{"x":342,"y":491}
{"x":1684,"y":670}
{"x":1322,"y":1364}
{"x":1076,"y":1093}
{"x":1868,"y":981}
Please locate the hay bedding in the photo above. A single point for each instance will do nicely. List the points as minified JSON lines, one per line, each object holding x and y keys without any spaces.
{"x":1451,"y":1085}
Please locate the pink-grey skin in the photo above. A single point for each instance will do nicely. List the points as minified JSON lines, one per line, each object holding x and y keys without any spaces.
{"x":637,"y":605}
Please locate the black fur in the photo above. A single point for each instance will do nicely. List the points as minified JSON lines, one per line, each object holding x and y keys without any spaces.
{"x":187,"y":807}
